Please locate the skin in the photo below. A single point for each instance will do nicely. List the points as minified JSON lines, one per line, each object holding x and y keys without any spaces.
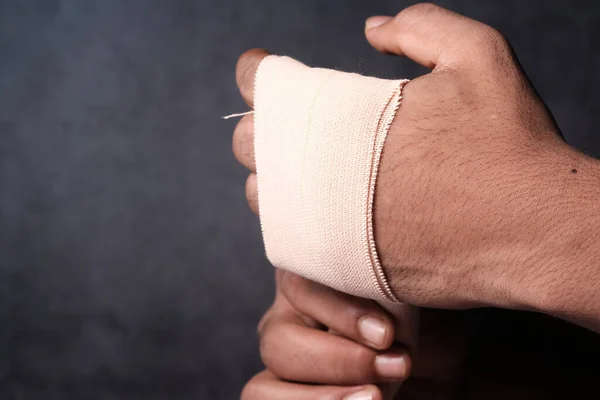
{"x":495,"y":210}
{"x":304,"y":359}
{"x":477,"y":203}
{"x":318,"y":328}
{"x":311,"y":335}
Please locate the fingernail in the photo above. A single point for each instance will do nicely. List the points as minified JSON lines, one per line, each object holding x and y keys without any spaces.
{"x":360,"y":396}
{"x":374,"y":22}
{"x":372,"y":329}
{"x":391,"y":366}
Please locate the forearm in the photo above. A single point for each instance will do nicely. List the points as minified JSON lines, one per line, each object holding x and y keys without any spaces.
{"x":564,"y":271}
{"x":533,"y":245}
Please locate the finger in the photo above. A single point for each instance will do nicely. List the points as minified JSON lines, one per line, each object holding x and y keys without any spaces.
{"x":243,"y":142}
{"x":428,"y":34}
{"x":281,"y":308}
{"x":245,"y":72}
{"x":266,"y":386}
{"x":252,"y":193}
{"x":359,"y":319}
{"x":298,"y":353}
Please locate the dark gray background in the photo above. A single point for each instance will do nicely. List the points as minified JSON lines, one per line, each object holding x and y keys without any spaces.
{"x":130,"y":266}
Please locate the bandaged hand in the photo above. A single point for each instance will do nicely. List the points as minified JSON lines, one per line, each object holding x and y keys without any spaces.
{"x":478,"y":201}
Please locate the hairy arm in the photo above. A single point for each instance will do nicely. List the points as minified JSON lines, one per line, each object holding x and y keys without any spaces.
{"x":479,"y":202}
{"x":565,"y":271}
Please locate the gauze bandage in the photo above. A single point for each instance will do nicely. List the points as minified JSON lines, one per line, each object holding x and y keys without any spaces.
{"x":319,"y":135}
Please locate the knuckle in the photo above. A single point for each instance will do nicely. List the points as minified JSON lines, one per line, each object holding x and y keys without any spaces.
{"x":237,"y":139}
{"x":487,"y":48}
{"x":490,"y":42}
{"x":418,"y":10}
{"x":494,"y":38}
{"x":243,"y":71}
{"x":243,"y":140}
{"x":410,"y":16}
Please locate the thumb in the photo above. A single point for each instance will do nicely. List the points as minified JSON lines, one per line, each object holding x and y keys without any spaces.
{"x":428,"y":34}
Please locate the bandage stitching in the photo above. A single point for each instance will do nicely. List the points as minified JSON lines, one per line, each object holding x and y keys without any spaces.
{"x":381,"y":132}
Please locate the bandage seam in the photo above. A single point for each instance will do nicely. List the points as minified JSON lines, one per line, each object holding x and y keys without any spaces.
{"x":395,"y":99}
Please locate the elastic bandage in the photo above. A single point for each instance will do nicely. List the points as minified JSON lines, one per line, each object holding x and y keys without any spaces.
{"x":319,"y":135}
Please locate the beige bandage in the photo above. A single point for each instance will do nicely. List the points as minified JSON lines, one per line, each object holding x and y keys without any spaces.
{"x":319,"y":135}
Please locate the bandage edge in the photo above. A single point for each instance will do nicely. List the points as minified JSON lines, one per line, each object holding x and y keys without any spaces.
{"x":382,"y":128}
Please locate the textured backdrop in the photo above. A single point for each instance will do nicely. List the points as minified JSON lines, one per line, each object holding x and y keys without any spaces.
{"x":130,"y":266}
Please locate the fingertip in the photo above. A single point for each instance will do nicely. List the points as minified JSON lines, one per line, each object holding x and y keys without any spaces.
{"x":375,"y":21}
{"x":393,"y":366}
{"x":369,"y":392}
{"x":246,"y":59}
{"x":377,"y":332}
{"x":376,"y":34}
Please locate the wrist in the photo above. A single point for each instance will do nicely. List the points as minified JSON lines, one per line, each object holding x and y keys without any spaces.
{"x":561,"y":272}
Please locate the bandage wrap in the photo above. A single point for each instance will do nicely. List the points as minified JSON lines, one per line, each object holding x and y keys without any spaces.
{"x":319,"y":135}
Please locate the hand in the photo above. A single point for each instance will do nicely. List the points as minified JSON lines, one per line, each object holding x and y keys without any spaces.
{"x":300,"y":354}
{"x":345,"y":362}
{"x":298,"y":351}
{"x":479,"y":202}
